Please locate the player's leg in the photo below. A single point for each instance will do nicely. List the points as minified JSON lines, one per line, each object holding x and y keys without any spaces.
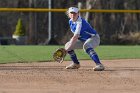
{"x":89,"y":46}
{"x":75,"y":63}
{"x":73,"y":56}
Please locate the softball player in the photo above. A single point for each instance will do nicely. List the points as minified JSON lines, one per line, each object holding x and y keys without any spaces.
{"x":84,"y":37}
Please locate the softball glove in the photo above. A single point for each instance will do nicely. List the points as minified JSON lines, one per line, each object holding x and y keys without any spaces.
{"x":59,"y":55}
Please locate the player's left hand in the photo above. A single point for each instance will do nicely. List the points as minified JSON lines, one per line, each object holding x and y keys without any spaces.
{"x":59,"y":55}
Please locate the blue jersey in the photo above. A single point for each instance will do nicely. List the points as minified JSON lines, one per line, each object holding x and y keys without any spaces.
{"x":83,"y":28}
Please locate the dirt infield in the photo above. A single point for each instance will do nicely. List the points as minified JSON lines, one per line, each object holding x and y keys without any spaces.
{"x":120,"y":76}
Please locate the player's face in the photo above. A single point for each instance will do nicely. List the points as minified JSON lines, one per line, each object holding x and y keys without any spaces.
{"x":73,"y":16}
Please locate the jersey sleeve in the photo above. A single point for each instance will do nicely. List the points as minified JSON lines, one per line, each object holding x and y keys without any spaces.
{"x":78,"y":27}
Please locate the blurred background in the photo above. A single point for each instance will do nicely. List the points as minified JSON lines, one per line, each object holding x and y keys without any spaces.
{"x":51,"y":28}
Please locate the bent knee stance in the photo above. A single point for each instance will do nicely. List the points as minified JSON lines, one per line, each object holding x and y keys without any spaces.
{"x":92,"y":42}
{"x":86,"y":46}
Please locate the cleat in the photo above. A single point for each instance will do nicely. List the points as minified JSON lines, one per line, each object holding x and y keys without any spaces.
{"x":73,"y":66}
{"x":99,"y":67}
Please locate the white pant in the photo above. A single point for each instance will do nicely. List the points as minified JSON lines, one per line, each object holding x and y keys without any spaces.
{"x":89,"y":43}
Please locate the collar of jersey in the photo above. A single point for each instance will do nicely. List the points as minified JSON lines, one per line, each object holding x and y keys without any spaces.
{"x":76,"y":20}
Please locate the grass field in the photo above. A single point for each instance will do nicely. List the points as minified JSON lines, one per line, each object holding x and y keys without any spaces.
{"x":44,"y":53}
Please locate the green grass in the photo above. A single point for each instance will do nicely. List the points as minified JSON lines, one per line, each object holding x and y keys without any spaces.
{"x":44,"y":53}
{"x":119,"y":52}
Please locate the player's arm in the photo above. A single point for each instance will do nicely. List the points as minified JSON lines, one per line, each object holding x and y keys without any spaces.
{"x":75,"y":37}
{"x":72,"y":42}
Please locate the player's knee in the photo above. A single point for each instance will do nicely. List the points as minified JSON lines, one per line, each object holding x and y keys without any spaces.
{"x":85,"y":47}
{"x":90,"y":51}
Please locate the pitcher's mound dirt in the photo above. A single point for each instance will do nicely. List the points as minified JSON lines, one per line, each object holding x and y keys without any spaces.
{"x":120,"y":76}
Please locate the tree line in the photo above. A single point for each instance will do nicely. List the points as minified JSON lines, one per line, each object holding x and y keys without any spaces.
{"x":114,"y":28}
